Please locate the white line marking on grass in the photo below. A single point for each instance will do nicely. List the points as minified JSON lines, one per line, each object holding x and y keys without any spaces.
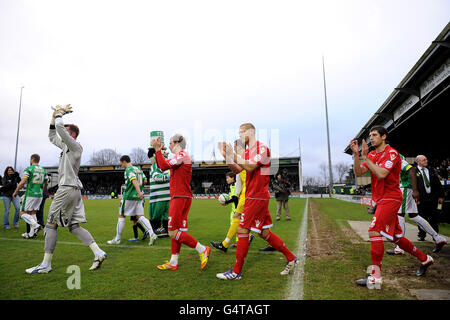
{"x":295,"y":287}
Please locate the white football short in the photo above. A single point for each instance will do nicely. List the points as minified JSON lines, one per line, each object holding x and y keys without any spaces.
{"x":408,"y":204}
{"x":67,"y":207}
{"x":131,"y":208}
{"x":31,"y":204}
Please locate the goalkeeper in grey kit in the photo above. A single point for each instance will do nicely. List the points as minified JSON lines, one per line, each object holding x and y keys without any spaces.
{"x":67,"y":209}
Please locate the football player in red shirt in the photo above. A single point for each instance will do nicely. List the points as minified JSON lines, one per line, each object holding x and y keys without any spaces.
{"x":384,"y":164}
{"x":180,"y":200}
{"x":256,"y":216}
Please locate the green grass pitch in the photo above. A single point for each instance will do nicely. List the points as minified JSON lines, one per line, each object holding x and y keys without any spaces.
{"x":130,"y":269}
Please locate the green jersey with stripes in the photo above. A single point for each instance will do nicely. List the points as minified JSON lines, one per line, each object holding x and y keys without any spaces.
{"x":36,"y":178}
{"x":133,"y":173}
{"x":159,"y":184}
{"x":405,"y":180}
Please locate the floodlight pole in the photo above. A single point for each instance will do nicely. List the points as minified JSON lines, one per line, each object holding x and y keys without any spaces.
{"x":18,"y":127}
{"x":300,"y":168}
{"x":330,"y":185}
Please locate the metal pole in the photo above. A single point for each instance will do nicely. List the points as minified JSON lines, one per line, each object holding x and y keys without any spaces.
{"x":18,"y":126}
{"x":300,"y":169}
{"x":330,"y":185}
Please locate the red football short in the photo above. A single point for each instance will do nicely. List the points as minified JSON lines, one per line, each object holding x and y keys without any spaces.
{"x":178,"y":212}
{"x":256,"y":215}
{"x":385,"y":220}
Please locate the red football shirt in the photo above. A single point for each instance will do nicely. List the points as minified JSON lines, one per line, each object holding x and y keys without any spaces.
{"x":257,"y":181}
{"x":180,"y":173}
{"x":389,"y":187}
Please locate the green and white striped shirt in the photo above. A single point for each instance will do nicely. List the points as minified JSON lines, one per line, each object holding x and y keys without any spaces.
{"x":159,"y":184}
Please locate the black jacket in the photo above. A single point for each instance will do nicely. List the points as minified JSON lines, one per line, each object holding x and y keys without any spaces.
{"x":435,"y":184}
{"x":9,"y":184}
{"x":281,"y":188}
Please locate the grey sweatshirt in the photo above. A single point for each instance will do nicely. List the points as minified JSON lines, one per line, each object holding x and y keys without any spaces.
{"x":70,"y":159}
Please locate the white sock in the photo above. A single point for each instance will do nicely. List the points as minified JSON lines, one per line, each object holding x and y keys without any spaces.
{"x":47,"y":262}
{"x":28,"y":219}
{"x":95,"y":249}
{"x":401,"y":222}
{"x":174,"y":260}
{"x":199,"y":247}
{"x":425,"y":226}
{"x":119,"y":228}
{"x":146,"y":224}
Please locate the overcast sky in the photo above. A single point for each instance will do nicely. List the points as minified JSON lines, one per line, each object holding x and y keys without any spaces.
{"x":202,"y":68}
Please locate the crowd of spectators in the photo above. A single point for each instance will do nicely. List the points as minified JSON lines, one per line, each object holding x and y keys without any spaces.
{"x":440,"y":167}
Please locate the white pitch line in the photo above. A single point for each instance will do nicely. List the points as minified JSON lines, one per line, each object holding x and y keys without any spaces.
{"x":295,"y":287}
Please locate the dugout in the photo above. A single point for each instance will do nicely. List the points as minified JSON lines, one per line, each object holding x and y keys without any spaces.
{"x":415,"y":114}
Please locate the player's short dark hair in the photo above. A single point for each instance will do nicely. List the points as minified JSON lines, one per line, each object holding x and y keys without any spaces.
{"x":380,"y":129}
{"x":231,"y":174}
{"x":73,"y":128}
{"x":125,"y":158}
{"x":35,"y":157}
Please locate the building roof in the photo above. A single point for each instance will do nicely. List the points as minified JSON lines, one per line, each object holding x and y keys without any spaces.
{"x":418,"y":100}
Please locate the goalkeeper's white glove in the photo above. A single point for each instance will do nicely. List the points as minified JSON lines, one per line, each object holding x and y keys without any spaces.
{"x":62,"y":110}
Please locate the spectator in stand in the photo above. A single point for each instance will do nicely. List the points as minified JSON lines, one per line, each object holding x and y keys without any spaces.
{"x":9,"y":182}
{"x":431,"y":194}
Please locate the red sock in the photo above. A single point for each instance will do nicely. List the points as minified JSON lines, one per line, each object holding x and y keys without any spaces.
{"x":376,"y":250}
{"x":186,"y":238}
{"x":241,"y":252}
{"x":275,"y":242}
{"x":406,"y":245}
{"x":175,"y":246}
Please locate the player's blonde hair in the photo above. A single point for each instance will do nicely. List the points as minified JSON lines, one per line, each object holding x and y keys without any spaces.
{"x":247,"y":126}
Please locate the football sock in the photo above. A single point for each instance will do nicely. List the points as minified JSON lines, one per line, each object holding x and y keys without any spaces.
{"x":95,"y":249}
{"x":28,"y":219}
{"x":232,"y":230}
{"x":119,"y":228}
{"x":275,"y":242}
{"x":401,"y":222}
{"x":82,"y":234}
{"x":174,"y":260}
{"x":376,"y":250}
{"x":135,"y":231}
{"x":200,"y":248}
{"x":51,"y":235}
{"x":175,"y":246}
{"x":241,"y":252}
{"x":421,"y":222}
{"x":406,"y":245}
{"x":146,"y":224}
{"x":186,"y":238}
{"x":47,"y":262}
{"x":141,"y":227}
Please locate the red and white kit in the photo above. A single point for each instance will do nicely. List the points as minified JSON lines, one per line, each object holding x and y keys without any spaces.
{"x":386,"y":193}
{"x":256,"y":215}
{"x":180,"y":187}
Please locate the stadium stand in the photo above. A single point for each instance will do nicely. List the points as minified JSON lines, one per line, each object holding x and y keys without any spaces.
{"x":414,"y":113}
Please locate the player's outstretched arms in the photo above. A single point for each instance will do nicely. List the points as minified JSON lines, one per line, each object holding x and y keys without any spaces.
{"x":53,"y":137}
